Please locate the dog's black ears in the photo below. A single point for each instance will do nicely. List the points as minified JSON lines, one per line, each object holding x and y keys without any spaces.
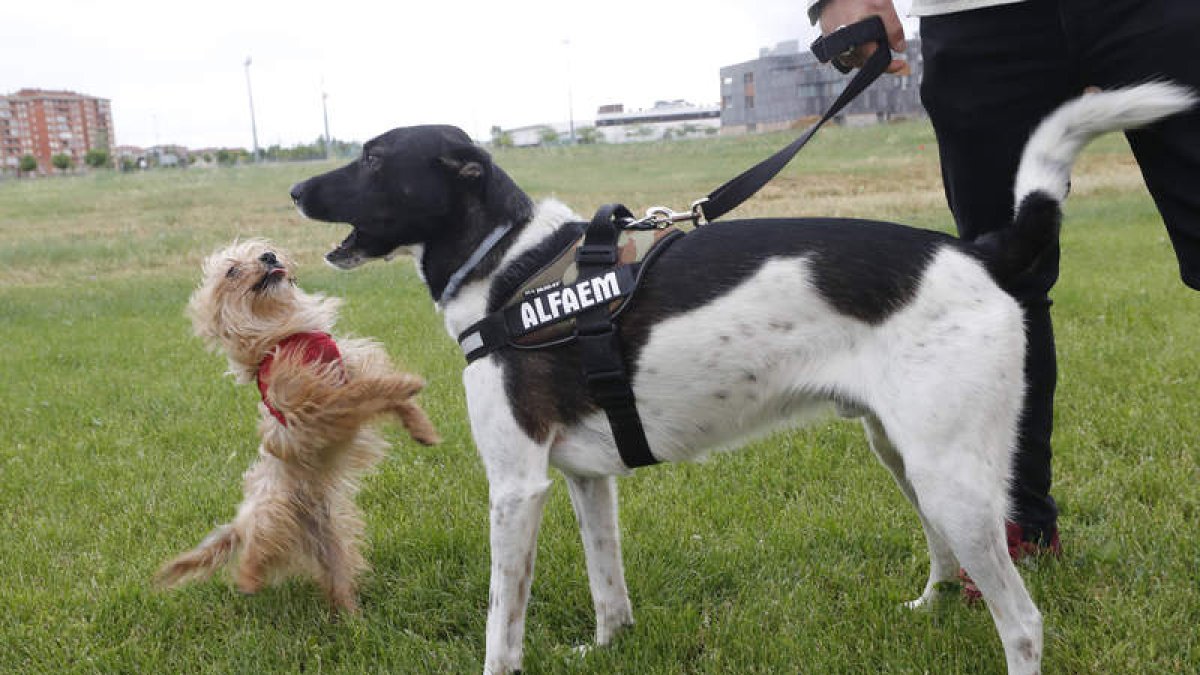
{"x":468,"y":163}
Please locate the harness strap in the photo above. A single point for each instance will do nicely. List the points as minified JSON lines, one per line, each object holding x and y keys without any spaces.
{"x":600,"y":345}
{"x":727,"y":197}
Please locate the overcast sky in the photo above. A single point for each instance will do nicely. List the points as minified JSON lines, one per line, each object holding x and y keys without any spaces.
{"x":175,"y":73}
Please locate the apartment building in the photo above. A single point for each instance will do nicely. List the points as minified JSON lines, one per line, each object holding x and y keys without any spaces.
{"x":786,"y":87}
{"x":45,"y":123}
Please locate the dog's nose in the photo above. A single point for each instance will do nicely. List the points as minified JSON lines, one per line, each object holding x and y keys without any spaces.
{"x":268,"y":258}
{"x":297,"y":192}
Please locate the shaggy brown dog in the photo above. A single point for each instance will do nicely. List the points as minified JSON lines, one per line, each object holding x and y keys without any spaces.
{"x":298,"y":515}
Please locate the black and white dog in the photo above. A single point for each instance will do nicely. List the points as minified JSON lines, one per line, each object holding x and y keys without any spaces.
{"x":739,"y":328}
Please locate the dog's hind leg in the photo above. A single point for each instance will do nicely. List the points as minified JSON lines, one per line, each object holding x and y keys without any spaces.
{"x":516,"y":468}
{"x":595,"y":502}
{"x":962,"y":494}
{"x":334,"y":529}
{"x":942,"y":563}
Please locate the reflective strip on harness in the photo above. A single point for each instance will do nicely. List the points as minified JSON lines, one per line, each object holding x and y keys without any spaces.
{"x":560,"y":301}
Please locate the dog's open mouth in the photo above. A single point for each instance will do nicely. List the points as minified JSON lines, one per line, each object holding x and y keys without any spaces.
{"x":273,"y":276}
{"x":352,"y":253}
{"x":346,"y":255}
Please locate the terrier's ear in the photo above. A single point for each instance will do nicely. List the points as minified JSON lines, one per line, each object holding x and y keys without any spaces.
{"x":468,"y":163}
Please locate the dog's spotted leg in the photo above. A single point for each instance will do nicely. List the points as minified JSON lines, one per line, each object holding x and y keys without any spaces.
{"x":962,"y":496}
{"x":942,"y":564}
{"x":516,"y":468}
{"x":595,"y":502}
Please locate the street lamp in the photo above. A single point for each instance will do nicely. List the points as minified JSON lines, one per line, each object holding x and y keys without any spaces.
{"x":325,"y":112}
{"x":570,"y":95}
{"x":253,"y":126}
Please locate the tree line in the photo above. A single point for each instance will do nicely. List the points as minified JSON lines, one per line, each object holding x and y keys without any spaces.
{"x":99,"y":158}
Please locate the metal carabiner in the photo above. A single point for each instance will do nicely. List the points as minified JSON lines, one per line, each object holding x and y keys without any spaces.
{"x":658,"y":217}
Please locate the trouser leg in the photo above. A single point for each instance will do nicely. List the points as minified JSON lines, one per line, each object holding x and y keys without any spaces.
{"x":990,"y":77}
{"x":1131,"y":41}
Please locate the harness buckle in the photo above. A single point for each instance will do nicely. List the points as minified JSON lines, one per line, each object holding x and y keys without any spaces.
{"x":596,"y":254}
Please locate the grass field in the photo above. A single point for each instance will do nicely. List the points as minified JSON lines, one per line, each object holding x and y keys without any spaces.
{"x":121,"y":444}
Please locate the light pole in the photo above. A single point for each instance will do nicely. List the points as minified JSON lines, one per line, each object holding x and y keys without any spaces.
{"x":570,"y":95}
{"x":325,"y":112}
{"x":253,"y":126}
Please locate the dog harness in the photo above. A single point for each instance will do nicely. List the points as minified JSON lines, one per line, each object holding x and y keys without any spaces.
{"x":579,"y":296}
{"x":318,"y":347}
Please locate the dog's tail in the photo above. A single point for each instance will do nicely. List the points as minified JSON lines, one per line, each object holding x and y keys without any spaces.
{"x":212,"y":554}
{"x":1044,"y":176}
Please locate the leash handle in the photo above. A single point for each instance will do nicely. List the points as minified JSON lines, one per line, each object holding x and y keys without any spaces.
{"x":827,"y":48}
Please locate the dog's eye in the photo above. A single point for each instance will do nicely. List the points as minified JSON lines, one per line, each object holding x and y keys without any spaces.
{"x":373,"y":161}
{"x":232,"y":272}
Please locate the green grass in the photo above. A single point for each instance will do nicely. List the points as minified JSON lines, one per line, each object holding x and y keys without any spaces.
{"x":121,"y":444}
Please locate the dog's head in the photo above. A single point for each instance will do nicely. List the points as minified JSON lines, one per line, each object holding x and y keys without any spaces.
{"x":411,"y":186}
{"x":248,"y":300}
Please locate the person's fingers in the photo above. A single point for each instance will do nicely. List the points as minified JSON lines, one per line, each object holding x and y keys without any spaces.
{"x":895,"y":29}
{"x":838,"y":13}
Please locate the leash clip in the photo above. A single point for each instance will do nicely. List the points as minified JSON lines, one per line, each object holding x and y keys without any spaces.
{"x":658,"y":217}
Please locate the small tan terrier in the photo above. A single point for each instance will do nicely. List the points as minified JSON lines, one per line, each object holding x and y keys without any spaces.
{"x":298,"y":516}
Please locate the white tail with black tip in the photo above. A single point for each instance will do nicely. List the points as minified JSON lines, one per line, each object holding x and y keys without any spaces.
{"x":1044,"y":175}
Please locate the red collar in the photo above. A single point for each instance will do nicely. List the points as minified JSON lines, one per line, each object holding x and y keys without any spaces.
{"x":317,"y":346}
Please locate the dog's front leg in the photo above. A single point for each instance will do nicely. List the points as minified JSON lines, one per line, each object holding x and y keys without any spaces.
{"x":515,"y":517}
{"x":595,"y":502}
{"x":517,"y":484}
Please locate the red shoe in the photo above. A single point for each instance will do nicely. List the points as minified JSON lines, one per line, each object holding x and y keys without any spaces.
{"x":1019,"y":547}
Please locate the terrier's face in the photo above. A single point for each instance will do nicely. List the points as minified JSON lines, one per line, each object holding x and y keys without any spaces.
{"x":247,"y":290}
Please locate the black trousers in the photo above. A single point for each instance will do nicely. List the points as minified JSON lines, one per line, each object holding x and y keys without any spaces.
{"x":990,"y":76}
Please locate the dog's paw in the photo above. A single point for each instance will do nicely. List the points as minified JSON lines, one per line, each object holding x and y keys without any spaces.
{"x":940,"y":591}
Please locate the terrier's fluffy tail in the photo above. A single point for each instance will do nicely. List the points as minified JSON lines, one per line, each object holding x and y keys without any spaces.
{"x":212,"y":554}
{"x":1044,"y":175}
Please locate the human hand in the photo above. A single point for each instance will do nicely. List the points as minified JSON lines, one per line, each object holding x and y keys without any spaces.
{"x":838,"y":13}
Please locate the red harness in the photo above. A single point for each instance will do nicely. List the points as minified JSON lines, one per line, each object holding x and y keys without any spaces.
{"x":318,"y":347}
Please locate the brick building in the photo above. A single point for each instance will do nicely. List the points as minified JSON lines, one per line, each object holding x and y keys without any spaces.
{"x":45,"y":123}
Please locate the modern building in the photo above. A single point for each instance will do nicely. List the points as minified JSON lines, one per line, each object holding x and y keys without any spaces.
{"x":550,"y":133}
{"x":613,"y":124}
{"x":46,"y":123}
{"x":667,"y":119}
{"x":785,"y":87}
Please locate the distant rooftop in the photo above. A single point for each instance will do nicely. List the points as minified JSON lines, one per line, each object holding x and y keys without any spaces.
{"x":51,"y":93}
{"x":785,"y":48}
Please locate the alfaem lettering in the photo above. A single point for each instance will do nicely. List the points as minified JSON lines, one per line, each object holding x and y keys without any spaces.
{"x":569,"y":300}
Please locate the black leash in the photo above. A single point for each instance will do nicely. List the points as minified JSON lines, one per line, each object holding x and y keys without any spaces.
{"x":828,"y":48}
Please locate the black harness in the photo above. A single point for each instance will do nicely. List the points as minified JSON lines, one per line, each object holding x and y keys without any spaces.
{"x":579,"y":296}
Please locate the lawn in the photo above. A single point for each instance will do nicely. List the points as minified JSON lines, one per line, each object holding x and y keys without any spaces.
{"x":121,"y":444}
